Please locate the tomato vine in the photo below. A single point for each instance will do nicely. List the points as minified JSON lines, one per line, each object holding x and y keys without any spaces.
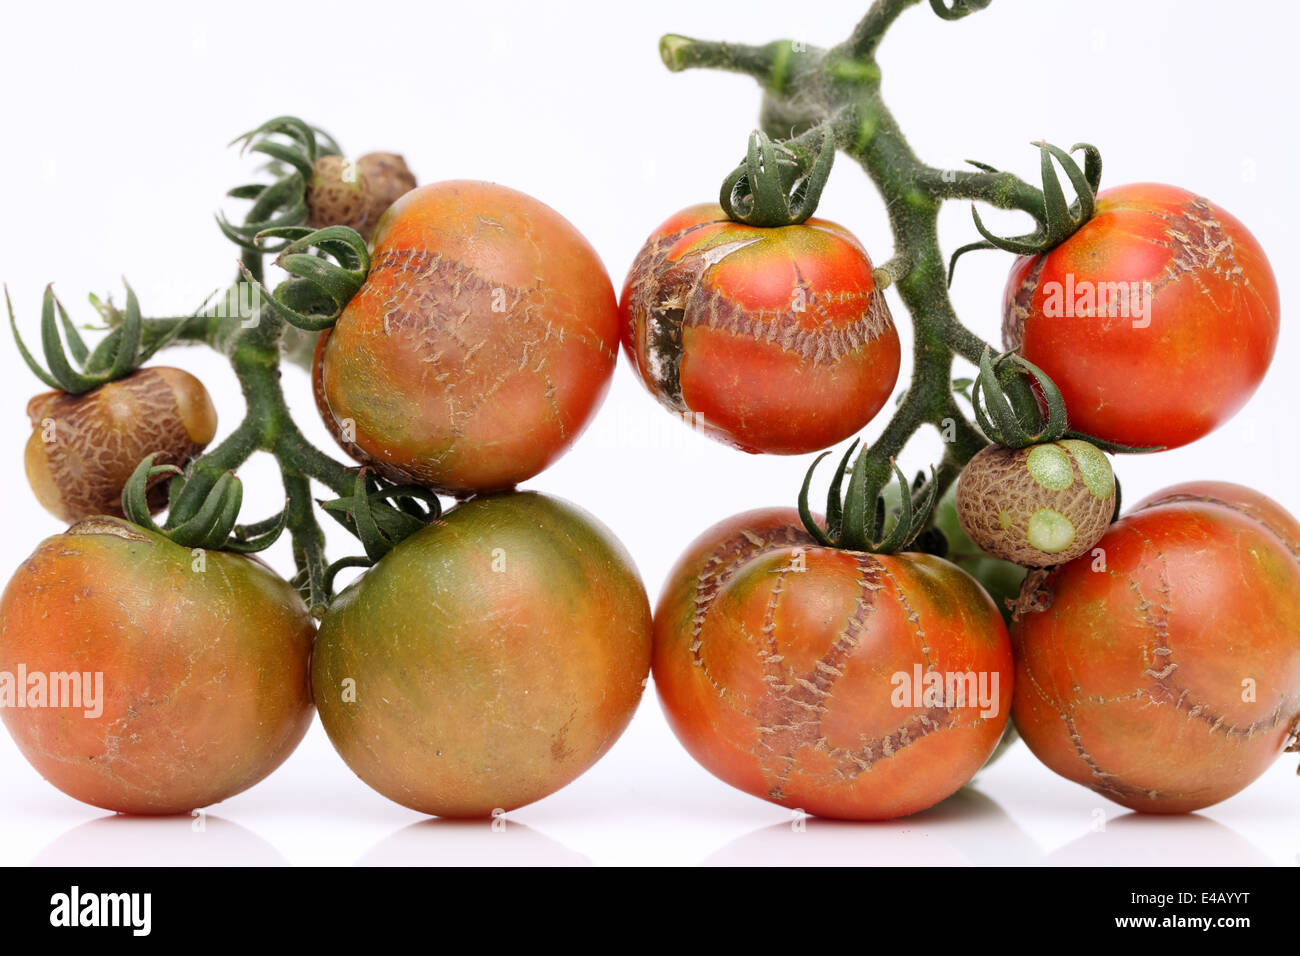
{"x":810,"y":93}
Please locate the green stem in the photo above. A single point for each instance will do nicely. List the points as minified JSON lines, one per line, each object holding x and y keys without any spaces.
{"x":252,"y":343}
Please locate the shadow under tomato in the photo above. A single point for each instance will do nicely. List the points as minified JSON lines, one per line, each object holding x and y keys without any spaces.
{"x":968,"y":828}
{"x":1145,"y":839}
{"x":180,"y":840}
{"x":500,"y":842}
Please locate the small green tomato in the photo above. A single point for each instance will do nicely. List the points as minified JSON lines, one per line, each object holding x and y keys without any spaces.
{"x":1037,"y":506}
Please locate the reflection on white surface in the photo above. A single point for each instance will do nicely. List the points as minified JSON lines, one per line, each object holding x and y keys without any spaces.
{"x":1182,"y":840}
{"x":500,"y":842}
{"x":119,"y":840}
{"x":968,"y":828}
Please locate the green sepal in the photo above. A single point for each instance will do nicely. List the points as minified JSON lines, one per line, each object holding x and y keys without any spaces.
{"x":778,"y":184}
{"x":117,"y":356}
{"x":373,"y":514}
{"x":211,"y":524}
{"x":314,"y":279}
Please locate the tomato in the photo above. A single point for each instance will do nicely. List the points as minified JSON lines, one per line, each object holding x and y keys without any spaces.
{"x":772,"y":340}
{"x":84,"y":447}
{"x":803,"y":674}
{"x":200,"y":660}
{"x":1157,"y":319}
{"x":1037,"y":506}
{"x":356,"y":194}
{"x":488,"y":659}
{"x":1165,"y":674}
{"x":483,"y":340}
{"x":1249,"y":502}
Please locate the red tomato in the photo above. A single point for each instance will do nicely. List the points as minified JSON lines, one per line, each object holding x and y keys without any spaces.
{"x":1165,"y":672}
{"x":803,"y":674}
{"x":771,"y":340}
{"x":200,"y":663}
{"x":1157,"y":319}
{"x":481,"y":343}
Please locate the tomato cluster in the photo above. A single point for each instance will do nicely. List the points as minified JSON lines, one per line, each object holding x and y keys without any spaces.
{"x":489,"y":657}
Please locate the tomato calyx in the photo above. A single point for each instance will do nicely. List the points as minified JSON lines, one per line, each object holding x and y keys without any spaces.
{"x":87,"y":370}
{"x":293,"y":146}
{"x":1057,"y":219}
{"x":317,"y":290}
{"x":778,"y":184}
{"x":858,"y":519}
{"x":209,"y":523}
{"x":381,"y":515}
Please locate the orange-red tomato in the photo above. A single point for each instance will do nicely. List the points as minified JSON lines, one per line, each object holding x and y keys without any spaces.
{"x":483,"y":340}
{"x":83,"y":448}
{"x":1164,"y":671}
{"x":843,"y":684}
{"x":1157,"y":319}
{"x":771,"y":340}
{"x":192,"y":679}
{"x":488,"y":659}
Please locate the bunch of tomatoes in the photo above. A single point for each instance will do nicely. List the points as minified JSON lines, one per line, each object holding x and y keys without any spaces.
{"x":498,"y":650}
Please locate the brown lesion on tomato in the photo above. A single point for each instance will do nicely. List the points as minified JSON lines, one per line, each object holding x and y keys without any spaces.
{"x":83,"y":448}
{"x":667,"y":296}
{"x":722,"y":564}
{"x":1197,"y":242}
{"x":790,"y":717}
{"x":437,"y":302}
{"x":434,"y":294}
{"x":1021,"y":306}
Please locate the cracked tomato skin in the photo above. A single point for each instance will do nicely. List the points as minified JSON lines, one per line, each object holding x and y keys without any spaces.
{"x":480,"y":345}
{"x":488,"y":660}
{"x":83,"y":448}
{"x":782,"y":681}
{"x":770,"y":340}
{"x":1161,"y":369}
{"x":1132,"y":679}
{"x":205,"y":672}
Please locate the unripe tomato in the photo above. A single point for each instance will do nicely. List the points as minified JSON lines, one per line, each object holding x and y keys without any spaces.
{"x":1165,"y":672}
{"x":803,"y":674}
{"x":488,"y":659}
{"x":202,"y":664}
{"x":83,"y":448}
{"x":1157,"y":319}
{"x":480,"y":345}
{"x":772,"y":340}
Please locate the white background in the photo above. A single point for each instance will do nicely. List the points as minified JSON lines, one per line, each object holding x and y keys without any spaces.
{"x":114,"y":159}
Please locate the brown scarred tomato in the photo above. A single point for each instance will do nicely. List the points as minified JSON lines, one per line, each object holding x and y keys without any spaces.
{"x":769,"y":339}
{"x":356,"y":194}
{"x":153,"y":679}
{"x":845,"y":684}
{"x":480,"y":345}
{"x":1164,"y":672}
{"x":488,"y":659}
{"x":1157,"y":319}
{"x":84,"y":447}
{"x":1037,"y":506}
